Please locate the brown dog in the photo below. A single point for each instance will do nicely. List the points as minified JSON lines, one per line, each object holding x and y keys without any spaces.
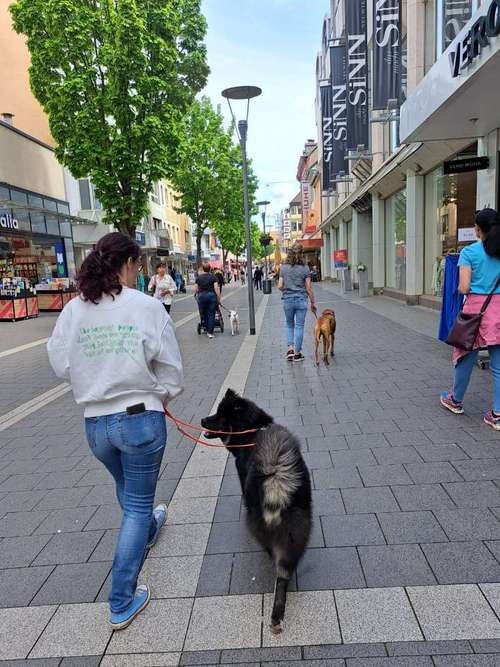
{"x":325,"y":327}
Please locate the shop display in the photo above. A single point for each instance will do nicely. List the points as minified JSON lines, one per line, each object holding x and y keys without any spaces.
{"x":18,"y":300}
{"x":54,"y":294}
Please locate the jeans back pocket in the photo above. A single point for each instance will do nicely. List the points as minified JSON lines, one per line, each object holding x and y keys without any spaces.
{"x":143,"y":430}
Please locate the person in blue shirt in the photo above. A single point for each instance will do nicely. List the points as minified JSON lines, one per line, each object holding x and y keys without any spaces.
{"x":479,"y":266}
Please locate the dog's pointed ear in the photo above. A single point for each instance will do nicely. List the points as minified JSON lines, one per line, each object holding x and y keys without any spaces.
{"x":231,"y":394}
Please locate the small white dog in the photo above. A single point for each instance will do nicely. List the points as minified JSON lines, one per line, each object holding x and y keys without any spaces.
{"x":234,"y":319}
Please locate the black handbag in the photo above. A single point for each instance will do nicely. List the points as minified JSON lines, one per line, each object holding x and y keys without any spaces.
{"x":464,"y":332}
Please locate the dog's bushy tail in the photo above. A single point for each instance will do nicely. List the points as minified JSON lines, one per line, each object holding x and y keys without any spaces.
{"x":277,"y":459}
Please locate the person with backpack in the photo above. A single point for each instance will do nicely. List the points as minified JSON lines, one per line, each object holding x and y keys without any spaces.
{"x":479,"y":277}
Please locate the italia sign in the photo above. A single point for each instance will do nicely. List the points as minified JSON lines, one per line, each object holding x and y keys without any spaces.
{"x":8,"y":222}
{"x":469,"y":47}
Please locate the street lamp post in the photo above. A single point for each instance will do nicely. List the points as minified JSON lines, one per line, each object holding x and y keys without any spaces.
{"x":245,"y":93}
{"x":264,"y":204}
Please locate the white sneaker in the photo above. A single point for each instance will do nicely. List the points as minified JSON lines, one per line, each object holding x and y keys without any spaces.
{"x":210,"y":335}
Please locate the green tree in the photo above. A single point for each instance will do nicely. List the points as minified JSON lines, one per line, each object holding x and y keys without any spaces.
{"x":230,"y":226}
{"x":115,"y":78}
{"x":208,"y":173}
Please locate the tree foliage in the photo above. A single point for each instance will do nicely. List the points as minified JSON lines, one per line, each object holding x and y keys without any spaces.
{"x":209,"y":175}
{"x":115,"y":78}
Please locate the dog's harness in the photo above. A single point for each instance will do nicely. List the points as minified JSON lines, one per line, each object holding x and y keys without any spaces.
{"x":181,"y":425}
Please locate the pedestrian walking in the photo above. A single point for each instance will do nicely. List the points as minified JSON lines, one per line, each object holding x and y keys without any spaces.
{"x":220,"y":278}
{"x":257,"y":277}
{"x":141,"y":280}
{"x":118,"y":348}
{"x":207,"y":292}
{"x":163,"y":286}
{"x":178,"y":281}
{"x":242,"y":275}
{"x":295,"y":285}
{"x":479,"y":276}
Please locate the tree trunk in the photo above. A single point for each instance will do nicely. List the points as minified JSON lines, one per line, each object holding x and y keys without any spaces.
{"x":198,"y":246}
{"x":224,"y":258}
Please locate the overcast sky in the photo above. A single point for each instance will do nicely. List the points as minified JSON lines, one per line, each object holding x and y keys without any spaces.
{"x":271,"y":44}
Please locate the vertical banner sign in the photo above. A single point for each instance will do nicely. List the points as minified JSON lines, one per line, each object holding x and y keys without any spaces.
{"x":62,"y":270}
{"x":456,"y":13}
{"x":326,"y":134}
{"x":305,"y":190}
{"x":339,"y":105}
{"x":404,"y":75}
{"x":357,"y":74}
{"x":386,"y":52}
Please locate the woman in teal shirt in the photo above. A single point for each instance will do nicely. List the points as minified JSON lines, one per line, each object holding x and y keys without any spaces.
{"x":479,"y":265}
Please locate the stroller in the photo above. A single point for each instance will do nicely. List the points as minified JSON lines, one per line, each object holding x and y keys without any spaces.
{"x":219,"y":323}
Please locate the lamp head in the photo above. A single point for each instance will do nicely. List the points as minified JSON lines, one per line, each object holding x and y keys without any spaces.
{"x":241,"y":92}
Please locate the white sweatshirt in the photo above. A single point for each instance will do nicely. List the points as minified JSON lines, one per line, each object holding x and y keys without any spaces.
{"x":117,"y":353}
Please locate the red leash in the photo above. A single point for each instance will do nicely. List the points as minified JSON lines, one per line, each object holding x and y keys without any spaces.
{"x":180,"y":424}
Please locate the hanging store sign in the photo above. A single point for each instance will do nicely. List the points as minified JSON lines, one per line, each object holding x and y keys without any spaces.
{"x":140,"y":238}
{"x":463,"y":165}
{"x":305,"y":190}
{"x":8,"y":222}
{"x":456,"y":13}
{"x":326,"y":134}
{"x":339,"y":107}
{"x":386,"y":52}
{"x":357,"y":74}
{"x":470,"y":46}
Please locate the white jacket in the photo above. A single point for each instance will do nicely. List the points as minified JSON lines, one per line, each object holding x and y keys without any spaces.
{"x":117,"y":353}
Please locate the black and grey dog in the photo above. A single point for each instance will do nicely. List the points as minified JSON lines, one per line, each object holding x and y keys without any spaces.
{"x":275,"y":484}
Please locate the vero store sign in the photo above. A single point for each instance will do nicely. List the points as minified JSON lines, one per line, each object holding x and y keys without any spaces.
{"x":469,"y":47}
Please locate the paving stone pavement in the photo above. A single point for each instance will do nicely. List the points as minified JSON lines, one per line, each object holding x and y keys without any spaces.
{"x":404,"y":562}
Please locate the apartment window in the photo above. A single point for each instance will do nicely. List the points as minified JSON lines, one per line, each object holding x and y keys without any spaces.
{"x":451,"y":16}
{"x":97,"y":204}
{"x":155,"y":194}
{"x":85,"y":200}
{"x":156,"y":223}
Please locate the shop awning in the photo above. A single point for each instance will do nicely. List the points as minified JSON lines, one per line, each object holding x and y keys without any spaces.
{"x":448,"y":104}
{"x":74,"y":219}
{"x":392,"y":163}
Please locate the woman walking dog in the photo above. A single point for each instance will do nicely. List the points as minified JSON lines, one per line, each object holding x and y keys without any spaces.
{"x":295,"y":285}
{"x":480,"y":276}
{"x":117,"y":346}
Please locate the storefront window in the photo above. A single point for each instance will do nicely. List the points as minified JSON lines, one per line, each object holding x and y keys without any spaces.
{"x":38,"y":222}
{"x":26,"y":256}
{"x":52,"y":226}
{"x":450,"y":207}
{"x":18,"y":196}
{"x":65,"y":228}
{"x":395,"y":234}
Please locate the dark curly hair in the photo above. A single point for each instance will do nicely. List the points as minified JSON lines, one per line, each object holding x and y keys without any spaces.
{"x":98,"y":274}
{"x":488,"y":222}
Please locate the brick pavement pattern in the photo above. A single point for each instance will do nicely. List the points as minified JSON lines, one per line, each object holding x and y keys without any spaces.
{"x":404,"y":562}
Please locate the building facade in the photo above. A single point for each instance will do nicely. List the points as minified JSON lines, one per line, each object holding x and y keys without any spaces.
{"x":308,"y":176}
{"x":406,"y":196}
{"x":36,"y":227}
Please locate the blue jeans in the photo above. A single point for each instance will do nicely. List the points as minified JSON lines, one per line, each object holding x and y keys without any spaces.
{"x":207,"y":303}
{"x":131,"y":447}
{"x":295,"y":313}
{"x":463,"y":372}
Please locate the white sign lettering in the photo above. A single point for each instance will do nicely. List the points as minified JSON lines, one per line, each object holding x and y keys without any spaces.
{"x":8,"y":222}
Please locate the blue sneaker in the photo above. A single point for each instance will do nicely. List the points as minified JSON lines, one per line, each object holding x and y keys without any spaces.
{"x":125,"y":618}
{"x":160,"y":516}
